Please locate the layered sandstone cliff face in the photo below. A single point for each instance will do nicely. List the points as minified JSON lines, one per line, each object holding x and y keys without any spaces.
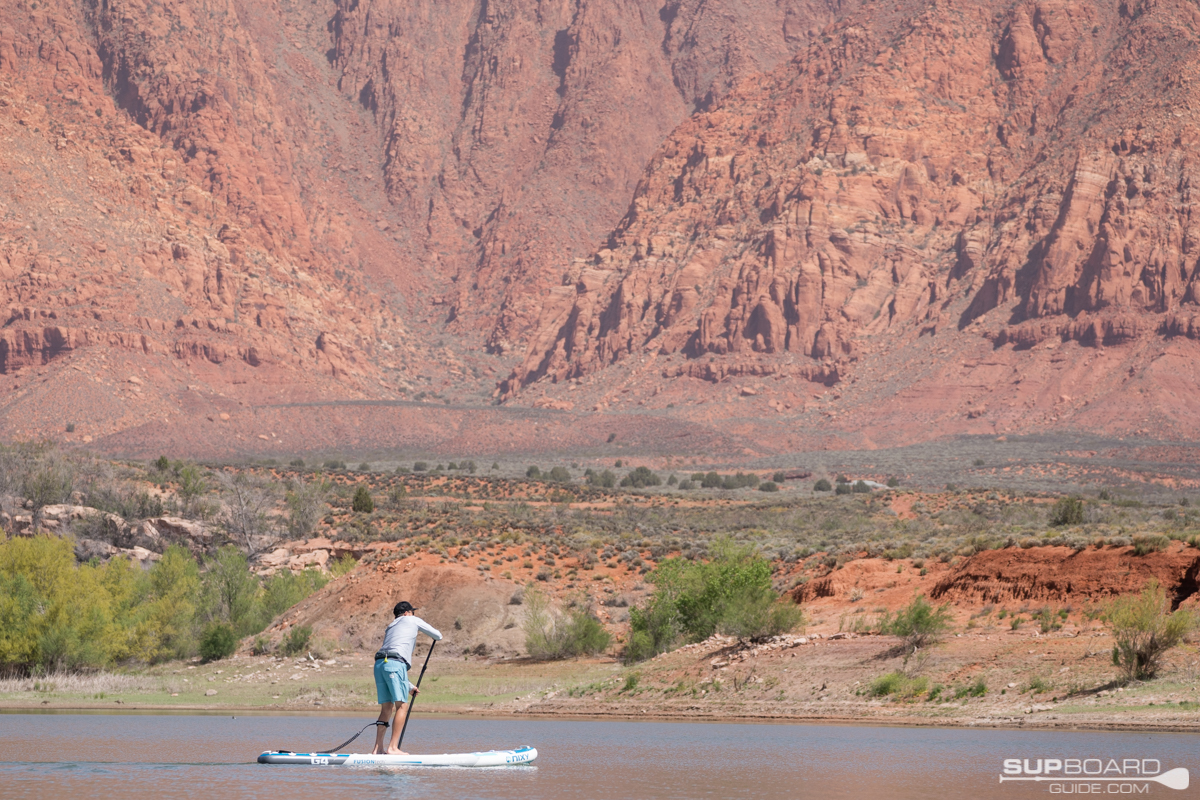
{"x":514,"y":134}
{"x":1018,"y":171}
{"x":260,"y":203}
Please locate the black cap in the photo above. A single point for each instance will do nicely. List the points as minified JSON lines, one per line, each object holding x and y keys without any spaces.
{"x":403,"y":607}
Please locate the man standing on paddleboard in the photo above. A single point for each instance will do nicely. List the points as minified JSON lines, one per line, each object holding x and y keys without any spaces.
{"x":392,"y":664}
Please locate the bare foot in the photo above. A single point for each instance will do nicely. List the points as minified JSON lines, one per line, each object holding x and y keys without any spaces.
{"x":394,"y":751}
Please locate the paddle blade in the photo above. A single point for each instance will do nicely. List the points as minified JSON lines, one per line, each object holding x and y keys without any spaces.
{"x":1177,"y":778}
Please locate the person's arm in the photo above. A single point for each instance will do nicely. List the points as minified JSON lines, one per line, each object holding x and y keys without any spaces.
{"x":429,"y":630}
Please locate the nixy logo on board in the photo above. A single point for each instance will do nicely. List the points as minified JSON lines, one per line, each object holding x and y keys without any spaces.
{"x":1095,"y":775}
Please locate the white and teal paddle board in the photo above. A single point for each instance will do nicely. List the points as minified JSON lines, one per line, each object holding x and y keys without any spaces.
{"x":490,"y":758}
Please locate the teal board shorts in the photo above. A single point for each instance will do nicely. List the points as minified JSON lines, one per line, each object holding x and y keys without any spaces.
{"x":391,"y":681}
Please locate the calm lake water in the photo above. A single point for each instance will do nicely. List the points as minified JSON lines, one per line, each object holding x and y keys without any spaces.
{"x":155,"y":756}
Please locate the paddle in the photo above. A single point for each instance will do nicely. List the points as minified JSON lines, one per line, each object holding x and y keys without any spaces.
{"x":413,"y":699}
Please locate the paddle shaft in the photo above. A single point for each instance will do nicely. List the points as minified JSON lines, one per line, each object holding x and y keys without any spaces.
{"x":413,"y":699}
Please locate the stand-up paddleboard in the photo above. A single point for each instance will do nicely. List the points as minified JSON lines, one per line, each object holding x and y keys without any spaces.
{"x":491,"y":758}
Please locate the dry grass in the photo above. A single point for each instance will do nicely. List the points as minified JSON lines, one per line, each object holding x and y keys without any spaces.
{"x":84,"y":683}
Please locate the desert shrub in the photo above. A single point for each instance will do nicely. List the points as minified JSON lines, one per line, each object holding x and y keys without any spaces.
{"x":548,"y":637}
{"x":162,"y":464}
{"x":1146,"y":543}
{"x":686,"y":485}
{"x":769,"y":486}
{"x":1067,"y":511}
{"x":1145,"y":629}
{"x":893,"y":482}
{"x":710,"y":480}
{"x":534,"y":473}
{"x":297,"y":640}
{"x":334,"y":465}
{"x":860,"y":487}
{"x":605,"y":479}
{"x":49,"y":483}
{"x":741,"y":480}
{"x":842,"y":488}
{"x":899,"y":685}
{"x":261,"y":647}
{"x":362,"y":502}
{"x":731,"y":594}
{"x":640,"y":478}
{"x":977,"y":688}
{"x":822,"y":485}
{"x":192,"y":485}
{"x":918,"y":624}
{"x":420,"y":466}
{"x":218,"y":641}
{"x":558,"y":475}
{"x":779,"y":477}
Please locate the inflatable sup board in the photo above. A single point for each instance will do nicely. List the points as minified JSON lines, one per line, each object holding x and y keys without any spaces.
{"x":491,"y":758}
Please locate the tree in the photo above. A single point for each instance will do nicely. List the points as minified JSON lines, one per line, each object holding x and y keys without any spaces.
{"x":192,"y":485}
{"x":231,"y":590}
{"x":306,"y":505}
{"x":247,"y":498}
{"x":1067,"y":511}
{"x":1144,"y":629}
{"x":919,"y":623}
{"x":362,"y":502}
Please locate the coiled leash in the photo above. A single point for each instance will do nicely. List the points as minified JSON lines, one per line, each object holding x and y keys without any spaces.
{"x":355,"y":736}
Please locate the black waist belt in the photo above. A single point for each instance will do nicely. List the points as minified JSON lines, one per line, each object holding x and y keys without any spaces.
{"x":380,"y":656}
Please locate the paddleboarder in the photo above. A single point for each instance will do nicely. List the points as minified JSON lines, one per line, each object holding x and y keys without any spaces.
{"x":392,"y":663}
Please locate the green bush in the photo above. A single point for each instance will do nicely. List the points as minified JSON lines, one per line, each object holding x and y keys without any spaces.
{"x":605,"y":480}
{"x":741,"y":480}
{"x":333,"y":465}
{"x":579,"y":633}
{"x":842,"y":488}
{"x":1144,"y":629}
{"x":686,"y":485}
{"x":893,"y":482}
{"x":297,"y":640}
{"x":710,"y":480}
{"x":1067,"y":511}
{"x":218,"y":641}
{"x":162,"y":464}
{"x":420,"y":466}
{"x":534,"y":473}
{"x":899,"y":685}
{"x":918,"y":624}
{"x":769,"y":486}
{"x":822,"y":485}
{"x":860,"y":487}
{"x":778,"y":477}
{"x":362,"y":502}
{"x":731,"y":594}
{"x":640,"y":478}
{"x":558,"y":475}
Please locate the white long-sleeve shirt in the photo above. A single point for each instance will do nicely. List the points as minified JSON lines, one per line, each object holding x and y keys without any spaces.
{"x":401,"y":636}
